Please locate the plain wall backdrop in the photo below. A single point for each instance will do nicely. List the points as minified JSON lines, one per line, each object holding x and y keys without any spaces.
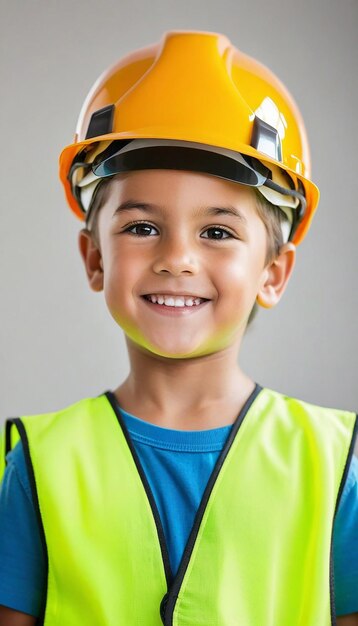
{"x":58,"y":342}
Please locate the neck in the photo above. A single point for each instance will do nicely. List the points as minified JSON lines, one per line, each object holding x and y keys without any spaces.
{"x":192,"y":394}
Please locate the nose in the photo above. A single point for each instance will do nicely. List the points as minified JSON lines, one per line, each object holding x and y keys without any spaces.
{"x":175,"y":256}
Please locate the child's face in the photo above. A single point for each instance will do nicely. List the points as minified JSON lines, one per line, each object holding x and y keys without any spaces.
{"x":174,"y":251}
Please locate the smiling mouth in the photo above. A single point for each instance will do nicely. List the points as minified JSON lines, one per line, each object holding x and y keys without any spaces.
{"x":171,"y":301}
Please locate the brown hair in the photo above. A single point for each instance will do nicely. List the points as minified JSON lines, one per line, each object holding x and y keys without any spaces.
{"x":271,"y":215}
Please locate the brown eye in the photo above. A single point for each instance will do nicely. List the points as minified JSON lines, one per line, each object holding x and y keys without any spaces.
{"x":217,"y":233}
{"x":142,"y":229}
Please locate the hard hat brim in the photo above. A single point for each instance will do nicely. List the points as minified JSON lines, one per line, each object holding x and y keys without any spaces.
{"x":71,"y":152}
{"x":179,"y":155}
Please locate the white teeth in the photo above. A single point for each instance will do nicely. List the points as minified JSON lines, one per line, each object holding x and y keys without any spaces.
{"x":177,"y":301}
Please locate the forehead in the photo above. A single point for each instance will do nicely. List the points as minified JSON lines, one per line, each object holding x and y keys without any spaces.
{"x":168,"y":192}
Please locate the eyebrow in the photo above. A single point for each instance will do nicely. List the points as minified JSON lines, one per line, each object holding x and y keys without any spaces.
{"x":130,"y":205}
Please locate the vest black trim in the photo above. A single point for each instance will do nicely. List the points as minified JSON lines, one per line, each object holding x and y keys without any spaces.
{"x":31,"y":475}
{"x":173,"y":592}
{"x":165,"y":555}
{"x":174,"y":583}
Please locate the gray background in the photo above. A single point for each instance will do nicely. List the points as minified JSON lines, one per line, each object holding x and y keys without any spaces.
{"x":58,"y":342}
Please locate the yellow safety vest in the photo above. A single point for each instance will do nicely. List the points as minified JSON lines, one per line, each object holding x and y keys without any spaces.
{"x":259,"y":552}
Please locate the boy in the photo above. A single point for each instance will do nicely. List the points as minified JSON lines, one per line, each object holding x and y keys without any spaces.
{"x":190,"y":495}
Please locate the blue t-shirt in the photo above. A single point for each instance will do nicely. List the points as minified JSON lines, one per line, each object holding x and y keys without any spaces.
{"x":178,"y":465}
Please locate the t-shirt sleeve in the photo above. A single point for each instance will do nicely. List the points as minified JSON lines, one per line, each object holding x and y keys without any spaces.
{"x":345,"y":545}
{"x":22,"y":561}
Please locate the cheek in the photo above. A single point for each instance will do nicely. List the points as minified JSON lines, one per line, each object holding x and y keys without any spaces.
{"x":237,"y":278}
{"x":121,"y":275}
{"x":229,"y":273}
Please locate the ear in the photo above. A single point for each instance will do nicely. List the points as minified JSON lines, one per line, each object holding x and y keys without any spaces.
{"x":92,"y":259}
{"x":276,"y":277}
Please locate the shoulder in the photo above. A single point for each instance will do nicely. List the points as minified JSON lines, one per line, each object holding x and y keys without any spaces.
{"x":288,"y":399}
{"x":50,"y":435}
{"x":57,"y":421}
{"x":302,"y":408}
{"x":304,"y":413}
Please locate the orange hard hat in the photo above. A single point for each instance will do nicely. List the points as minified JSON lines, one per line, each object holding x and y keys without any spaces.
{"x":195,"y":87}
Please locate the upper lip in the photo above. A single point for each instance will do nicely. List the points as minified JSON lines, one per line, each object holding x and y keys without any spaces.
{"x":174,"y":293}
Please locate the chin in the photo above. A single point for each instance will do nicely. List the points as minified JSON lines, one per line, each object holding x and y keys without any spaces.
{"x":172,"y":351}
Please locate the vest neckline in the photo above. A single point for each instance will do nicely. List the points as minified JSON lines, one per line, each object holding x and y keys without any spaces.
{"x":207,"y":440}
{"x":175,"y":440}
{"x":174,"y":581}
